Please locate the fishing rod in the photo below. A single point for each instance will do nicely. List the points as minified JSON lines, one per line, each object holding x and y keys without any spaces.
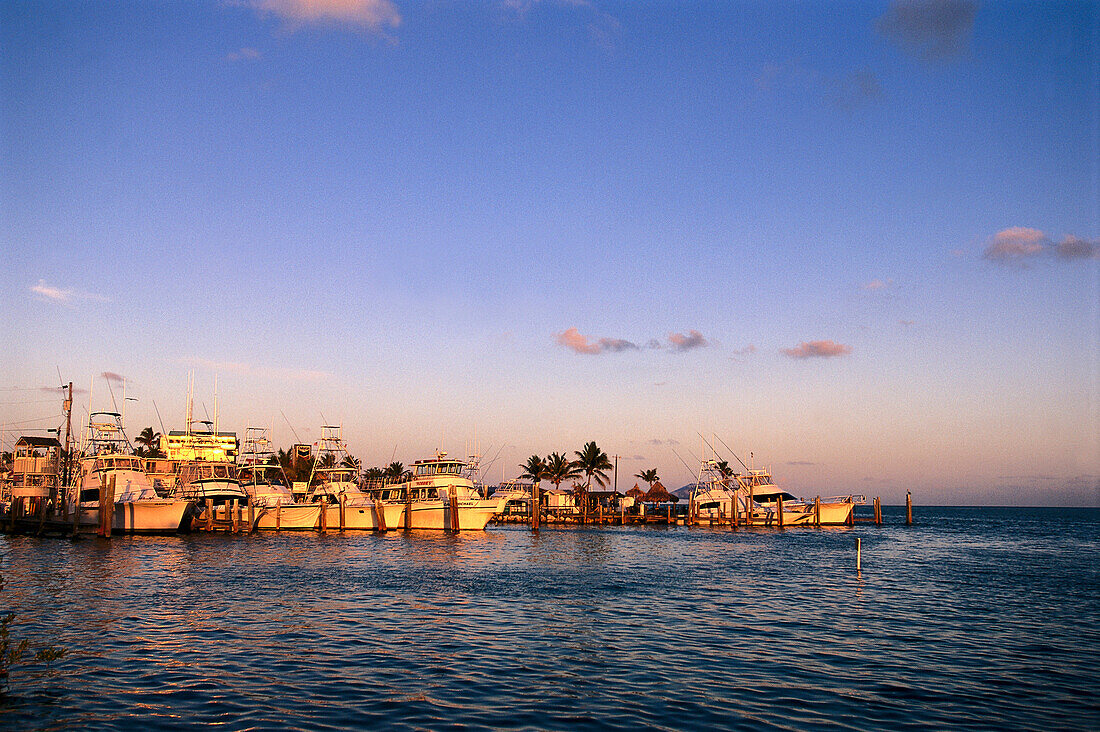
{"x":746,"y":467}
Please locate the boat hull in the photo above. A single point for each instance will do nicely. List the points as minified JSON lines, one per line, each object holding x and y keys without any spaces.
{"x":140,"y":517}
{"x":290,"y":517}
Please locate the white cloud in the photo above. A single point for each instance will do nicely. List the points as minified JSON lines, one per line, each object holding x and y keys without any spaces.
{"x":64,"y":295}
{"x":244,"y":54}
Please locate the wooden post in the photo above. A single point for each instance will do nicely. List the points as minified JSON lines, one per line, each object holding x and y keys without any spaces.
{"x":251,"y":516}
{"x":600,"y":514}
{"x":878,"y":510}
{"x":454,"y":509}
{"x":408,"y":508}
{"x":735,"y":518}
{"x":279,"y":516}
{"x":536,"y":514}
{"x":779,"y":511}
{"x":859,"y":555}
{"x":908,"y":508}
{"x":209,"y":514}
{"x":76,"y":508}
{"x":234,"y":517}
{"x":324,"y":516}
{"x":670,"y":514}
{"x":110,"y":508}
{"x":817,"y":511}
{"x":751,"y":508}
{"x":380,"y":507}
{"x":343,"y":512}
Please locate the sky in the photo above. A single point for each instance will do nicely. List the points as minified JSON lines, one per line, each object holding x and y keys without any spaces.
{"x":859,"y":242}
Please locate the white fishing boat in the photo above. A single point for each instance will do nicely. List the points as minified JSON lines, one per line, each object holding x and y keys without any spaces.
{"x":335,"y":485}
{"x":761,"y":490}
{"x":263,"y":479}
{"x":109,"y":460}
{"x":439,"y":494}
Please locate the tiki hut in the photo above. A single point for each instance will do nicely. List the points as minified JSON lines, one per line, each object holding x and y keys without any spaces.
{"x":636,"y":493}
{"x":658,"y":494}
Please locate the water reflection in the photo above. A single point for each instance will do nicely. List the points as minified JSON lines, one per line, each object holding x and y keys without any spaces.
{"x":565,"y":628}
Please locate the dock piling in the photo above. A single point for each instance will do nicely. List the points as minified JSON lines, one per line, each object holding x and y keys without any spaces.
{"x":908,"y":508}
{"x":859,"y":555}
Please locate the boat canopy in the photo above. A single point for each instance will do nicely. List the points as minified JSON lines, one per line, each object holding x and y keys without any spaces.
{"x":429,"y":468}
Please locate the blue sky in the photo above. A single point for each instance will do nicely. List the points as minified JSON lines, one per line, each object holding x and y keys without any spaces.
{"x":859,"y":240}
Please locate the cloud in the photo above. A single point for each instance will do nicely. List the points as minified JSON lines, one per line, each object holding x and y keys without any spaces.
{"x":931,"y":30}
{"x":372,"y":15}
{"x":877,"y":285}
{"x":1019,"y":244}
{"x":1015,"y":243}
{"x":746,"y":351}
{"x":245,"y":54}
{"x":113,"y":377}
{"x":62,"y":295}
{"x":681,"y":343}
{"x":670,"y":442}
{"x":275,"y":373}
{"x":817,"y":349}
{"x":906,"y":323}
{"x":572,"y":339}
{"x":800,"y":462}
{"x":1072,"y":247}
{"x":856,"y":89}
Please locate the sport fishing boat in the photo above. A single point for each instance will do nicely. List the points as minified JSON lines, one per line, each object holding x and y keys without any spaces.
{"x":109,"y":459}
{"x":335,"y":482}
{"x":764,"y":494}
{"x":264,"y":480}
{"x":427,"y":497}
{"x":717,"y":492}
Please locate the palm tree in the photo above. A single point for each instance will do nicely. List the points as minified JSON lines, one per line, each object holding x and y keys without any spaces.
{"x":649,"y":476}
{"x":351,"y":462}
{"x":328,"y":460}
{"x":535,"y":469}
{"x":594,"y":463}
{"x":724,"y":468}
{"x":559,"y":469}
{"x":150,"y":443}
{"x":373,"y":473}
{"x":394,"y":472}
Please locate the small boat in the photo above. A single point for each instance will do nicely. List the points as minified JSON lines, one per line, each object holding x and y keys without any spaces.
{"x":137,"y":507}
{"x":263,"y":479}
{"x":440,"y":494}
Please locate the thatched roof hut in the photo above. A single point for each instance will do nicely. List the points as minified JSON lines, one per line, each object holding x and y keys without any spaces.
{"x":658,"y":494}
{"x":636,"y":493}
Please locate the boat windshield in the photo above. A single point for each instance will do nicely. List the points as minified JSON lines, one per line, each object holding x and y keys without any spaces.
{"x":447,"y":468}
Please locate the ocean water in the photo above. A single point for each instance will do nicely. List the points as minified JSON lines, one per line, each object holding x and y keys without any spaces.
{"x":971,"y":619}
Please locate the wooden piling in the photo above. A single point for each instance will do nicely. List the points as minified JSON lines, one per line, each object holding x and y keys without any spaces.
{"x":343,"y":512}
{"x":751,"y":508}
{"x":76,"y":509}
{"x":251,"y":516}
{"x":380,"y":508}
{"x":779,"y":511}
{"x":536,"y":513}
{"x":908,"y":508}
{"x":324,"y":516}
{"x":453,"y":498}
{"x":817,"y":511}
{"x":878,"y":510}
{"x":209,"y":514}
{"x":408,"y":509}
{"x":110,"y":508}
{"x":859,"y":555}
{"x":234,"y":517}
{"x":279,"y":516}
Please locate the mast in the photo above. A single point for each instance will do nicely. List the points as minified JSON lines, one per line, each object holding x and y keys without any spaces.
{"x":67,"y":405}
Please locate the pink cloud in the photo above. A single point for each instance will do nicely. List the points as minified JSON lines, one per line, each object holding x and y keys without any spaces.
{"x":817,"y":349}
{"x":1015,"y":243}
{"x":371,"y":14}
{"x":875,"y":285}
{"x":113,"y":377}
{"x":579,"y":343}
{"x":680,"y":342}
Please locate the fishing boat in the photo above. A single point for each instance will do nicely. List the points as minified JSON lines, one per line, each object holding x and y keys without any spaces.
{"x":109,"y":460}
{"x":439,"y":494}
{"x":334,"y":484}
{"x":264,"y":480}
{"x":765,"y":495}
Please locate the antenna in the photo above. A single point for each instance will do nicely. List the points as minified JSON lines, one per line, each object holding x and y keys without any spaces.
{"x":288,"y":424}
{"x":215,"y":405}
{"x":159,"y":419}
{"x":746,"y":467}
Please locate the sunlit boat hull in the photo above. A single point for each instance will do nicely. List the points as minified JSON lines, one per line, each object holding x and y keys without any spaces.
{"x":289,"y":517}
{"x":139,"y":517}
{"x":473,"y":515}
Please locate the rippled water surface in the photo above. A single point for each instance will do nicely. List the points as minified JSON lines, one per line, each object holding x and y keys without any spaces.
{"x":974,"y":618}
